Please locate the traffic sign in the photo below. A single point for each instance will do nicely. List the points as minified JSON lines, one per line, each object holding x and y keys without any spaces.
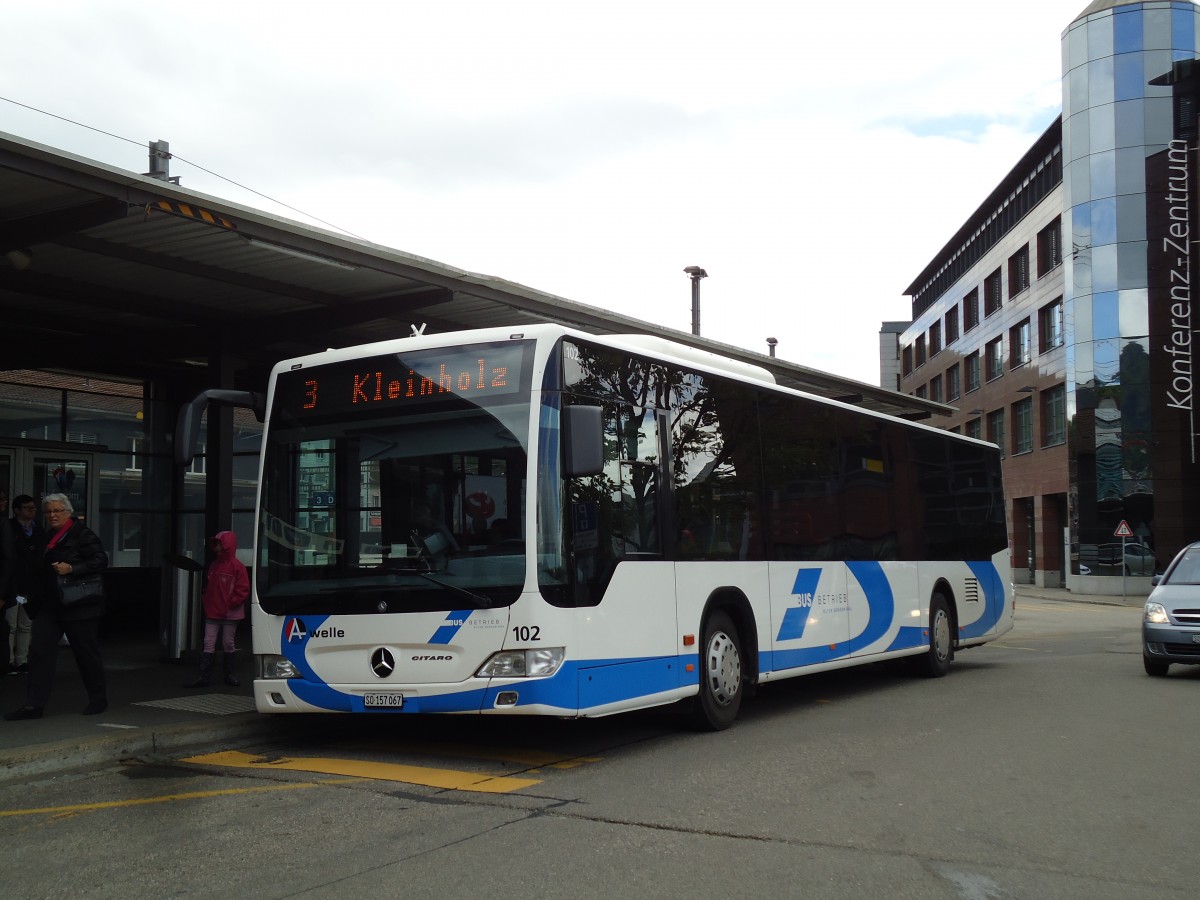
{"x":1123,"y":530}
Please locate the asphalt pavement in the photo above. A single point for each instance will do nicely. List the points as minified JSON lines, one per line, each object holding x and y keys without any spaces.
{"x":150,"y":713}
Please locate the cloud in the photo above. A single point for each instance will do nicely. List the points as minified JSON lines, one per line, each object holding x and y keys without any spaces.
{"x":813,"y":158}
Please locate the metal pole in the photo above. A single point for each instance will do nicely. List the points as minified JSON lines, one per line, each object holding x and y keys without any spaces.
{"x":1124,"y":582}
{"x":695,"y":273}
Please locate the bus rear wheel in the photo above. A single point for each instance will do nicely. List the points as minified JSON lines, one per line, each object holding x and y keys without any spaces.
{"x":936,"y":661}
{"x":721,"y":687}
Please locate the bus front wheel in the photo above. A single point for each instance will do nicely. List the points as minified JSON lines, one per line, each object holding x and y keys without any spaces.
{"x":721,"y":685}
{"x":936,"y":661}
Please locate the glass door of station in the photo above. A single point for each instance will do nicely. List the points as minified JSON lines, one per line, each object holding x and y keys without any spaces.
{"x":41,"y":471}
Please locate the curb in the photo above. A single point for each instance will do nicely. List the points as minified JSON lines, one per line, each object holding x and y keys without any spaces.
{"x":1092,"y":599}
{"x":83,"y":753}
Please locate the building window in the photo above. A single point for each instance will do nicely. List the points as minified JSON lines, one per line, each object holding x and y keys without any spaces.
{"x":991,"y":293}
{"x":975,"y":429}
{"x":935,"y":388}
{"x":951,"y":326}
{"x":906,"y":360}
{"x":995,"y":429}
{"x":1050,"y":326}
{"x":1019,"y":352}
{"x":1049,"y":247}
{"x":923,"y":392}
{"x":953,"y":383}
{"x":935,"y":339}
{"x":920,"y":351}
{"x":1022,"y":413}
{"x":1018,"y":271}
{"x":972,"y":366}
{"x":994,"y":358}
{"x":1054,"y":416}
{"x":971,"y":310}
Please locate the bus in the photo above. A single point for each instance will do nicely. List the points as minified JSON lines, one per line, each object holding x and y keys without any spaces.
{"x":540,"y":521}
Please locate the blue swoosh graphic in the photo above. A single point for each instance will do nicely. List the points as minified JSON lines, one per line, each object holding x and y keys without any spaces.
{"x":993,"y":592}
{"x":581,"y":685}
{"x":311,"y":689}
{"x":881,"y":604}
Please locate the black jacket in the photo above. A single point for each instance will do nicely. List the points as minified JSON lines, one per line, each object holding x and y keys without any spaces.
{"x":7,"y":561}
{"x":82,"y":549}
{"x":23,"y":576}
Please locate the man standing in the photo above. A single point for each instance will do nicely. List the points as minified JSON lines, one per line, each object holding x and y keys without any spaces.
{"x":6,"y":566}
{"x":28,"y":538}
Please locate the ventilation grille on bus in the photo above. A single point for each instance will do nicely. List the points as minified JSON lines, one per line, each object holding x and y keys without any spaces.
{"x":971,"y":590}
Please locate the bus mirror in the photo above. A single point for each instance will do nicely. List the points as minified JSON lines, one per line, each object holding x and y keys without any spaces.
{"x":187,"y":425}
{"x":583,"y":441}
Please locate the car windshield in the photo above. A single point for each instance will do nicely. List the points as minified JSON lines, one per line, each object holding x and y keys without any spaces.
{"x":1186,"y":569}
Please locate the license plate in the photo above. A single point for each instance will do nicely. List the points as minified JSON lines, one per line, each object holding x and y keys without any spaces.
{"x":383,"y":701}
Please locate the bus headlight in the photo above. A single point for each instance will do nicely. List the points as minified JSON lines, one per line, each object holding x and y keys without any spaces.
{"x":540,"y":663}
{"x":272,"y":666}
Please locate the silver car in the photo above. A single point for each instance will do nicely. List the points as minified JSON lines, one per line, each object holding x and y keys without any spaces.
{"x":1138,"y":558}
{"x":1171,"y":619}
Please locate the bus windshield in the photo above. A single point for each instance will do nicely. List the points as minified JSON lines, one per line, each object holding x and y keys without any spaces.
{"x":392,"y":485}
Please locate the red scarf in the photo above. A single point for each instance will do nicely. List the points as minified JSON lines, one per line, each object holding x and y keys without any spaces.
{"x":58,"y":535}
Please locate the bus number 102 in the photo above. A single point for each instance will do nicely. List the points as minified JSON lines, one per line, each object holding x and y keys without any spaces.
{"x":527,"y":633}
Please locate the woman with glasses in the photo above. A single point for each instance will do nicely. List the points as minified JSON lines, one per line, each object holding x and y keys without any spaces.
{"x":71,"y":549}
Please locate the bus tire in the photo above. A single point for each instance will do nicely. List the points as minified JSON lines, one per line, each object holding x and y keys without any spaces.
{"x":721,"y":686}
{"x":936,"y":661}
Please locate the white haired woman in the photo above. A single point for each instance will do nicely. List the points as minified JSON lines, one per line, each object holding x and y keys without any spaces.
{"x":72,"y":551}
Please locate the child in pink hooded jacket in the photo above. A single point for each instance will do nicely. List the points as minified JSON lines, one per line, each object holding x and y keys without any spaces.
{"x":225,"y":593}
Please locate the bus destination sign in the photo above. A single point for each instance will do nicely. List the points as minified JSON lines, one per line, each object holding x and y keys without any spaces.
{"x":385,"y":383}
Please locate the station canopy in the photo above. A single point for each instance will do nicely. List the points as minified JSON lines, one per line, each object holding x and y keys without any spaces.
{"x":133,"y":276}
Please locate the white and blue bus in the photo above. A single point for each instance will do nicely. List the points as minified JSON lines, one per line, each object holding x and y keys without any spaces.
{"x":541,"y":521}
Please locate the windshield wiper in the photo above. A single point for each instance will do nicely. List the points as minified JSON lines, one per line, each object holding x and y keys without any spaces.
{"x":484,"y":602}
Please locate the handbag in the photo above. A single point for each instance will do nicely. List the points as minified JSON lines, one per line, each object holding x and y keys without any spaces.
{"x":80,"y":589}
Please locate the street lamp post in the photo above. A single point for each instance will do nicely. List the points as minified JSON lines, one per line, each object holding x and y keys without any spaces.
{"x":695,"y":273}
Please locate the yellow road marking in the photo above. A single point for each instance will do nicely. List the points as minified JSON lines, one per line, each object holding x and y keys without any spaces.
{"x":517,"y":756}
{"x":143,"y":801}
{"x":448,"y":779}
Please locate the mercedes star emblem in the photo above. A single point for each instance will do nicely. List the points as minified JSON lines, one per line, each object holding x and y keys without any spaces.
{"x":382,"y":663}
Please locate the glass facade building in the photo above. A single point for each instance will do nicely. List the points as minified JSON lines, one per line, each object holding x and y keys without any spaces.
{"x":1127,"y":187}
{"x":1062,"y":310}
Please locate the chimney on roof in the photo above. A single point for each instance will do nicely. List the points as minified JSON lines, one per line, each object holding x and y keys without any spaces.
{"x":160,"y":162}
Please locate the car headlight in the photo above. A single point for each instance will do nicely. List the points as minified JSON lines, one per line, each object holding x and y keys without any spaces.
{"x":540,"y":663}
{"x":1155,"y":613}
{"x":272,"y":666}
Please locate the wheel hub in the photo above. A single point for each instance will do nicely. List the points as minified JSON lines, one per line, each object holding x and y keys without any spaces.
{"x":724,"y":668}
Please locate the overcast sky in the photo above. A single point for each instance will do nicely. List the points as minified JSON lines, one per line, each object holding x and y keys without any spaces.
{"x":812,"y":157}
